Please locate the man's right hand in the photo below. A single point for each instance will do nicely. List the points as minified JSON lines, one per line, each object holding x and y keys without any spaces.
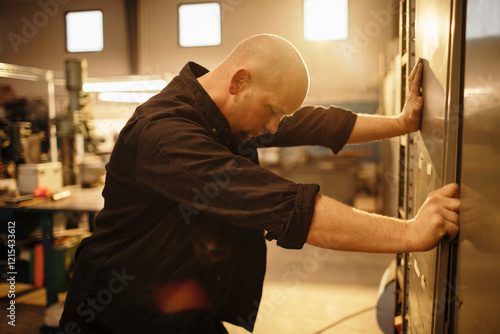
{"x":437,"y":218}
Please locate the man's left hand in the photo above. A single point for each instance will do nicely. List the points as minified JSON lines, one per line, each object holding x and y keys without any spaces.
{"x":410,"y":119}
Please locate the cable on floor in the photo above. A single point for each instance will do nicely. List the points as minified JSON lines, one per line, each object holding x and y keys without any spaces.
{"x":338,"y":322}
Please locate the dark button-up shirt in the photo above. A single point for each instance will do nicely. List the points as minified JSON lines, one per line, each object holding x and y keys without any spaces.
{"x":179,"y":245}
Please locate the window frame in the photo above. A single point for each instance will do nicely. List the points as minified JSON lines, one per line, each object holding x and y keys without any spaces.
{"x":329,"y":39}
{"x":66,"y":37}
{"x":179,"y":24}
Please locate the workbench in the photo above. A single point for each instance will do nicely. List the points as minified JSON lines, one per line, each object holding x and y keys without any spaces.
{"x":88,"y":200}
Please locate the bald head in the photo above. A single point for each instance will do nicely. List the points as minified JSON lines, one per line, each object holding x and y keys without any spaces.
{"x":263,"y":79}
{"x":272,"y":61}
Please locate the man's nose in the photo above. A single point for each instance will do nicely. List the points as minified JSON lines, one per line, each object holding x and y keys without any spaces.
{"x":273,"y":124}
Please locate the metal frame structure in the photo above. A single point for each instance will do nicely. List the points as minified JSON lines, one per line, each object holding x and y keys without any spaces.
{"x":38,"y":75}
{"x":425,"y":281}
{"x":405,"y":182}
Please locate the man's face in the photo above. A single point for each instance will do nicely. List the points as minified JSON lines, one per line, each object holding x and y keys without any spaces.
{"x":259,"y":112}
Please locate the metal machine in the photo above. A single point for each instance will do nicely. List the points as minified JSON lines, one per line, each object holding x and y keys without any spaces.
{"x":452,"y":288}
{"x":75,"y":125}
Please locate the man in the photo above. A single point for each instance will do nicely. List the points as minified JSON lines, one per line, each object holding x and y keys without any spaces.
{"x":179,"y":246}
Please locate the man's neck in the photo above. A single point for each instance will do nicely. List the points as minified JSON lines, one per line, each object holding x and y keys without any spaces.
{"x":214,"y":86}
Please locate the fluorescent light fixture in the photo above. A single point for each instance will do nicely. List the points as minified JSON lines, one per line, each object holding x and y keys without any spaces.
{"x":129,"y":97}
{"x":325,"y":20}
{"x":84,"y":31}
{"x":199,"y":24}
{"x":125,"y":86}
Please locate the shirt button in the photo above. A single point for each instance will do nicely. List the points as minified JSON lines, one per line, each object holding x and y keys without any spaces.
{"x":214,"y":130}
{"x":217,"y":277}
{"x":226,"y":129}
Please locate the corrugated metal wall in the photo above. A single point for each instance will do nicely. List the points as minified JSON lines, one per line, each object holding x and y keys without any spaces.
{"x":340,"y":70}
{"x":32,"y":34}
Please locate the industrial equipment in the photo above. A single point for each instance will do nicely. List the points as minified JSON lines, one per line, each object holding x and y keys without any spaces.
{"x":452,"y":288}
{"x":74,"y":128}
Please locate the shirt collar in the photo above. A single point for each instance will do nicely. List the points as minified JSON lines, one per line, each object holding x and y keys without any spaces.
{"x":204,"y":103}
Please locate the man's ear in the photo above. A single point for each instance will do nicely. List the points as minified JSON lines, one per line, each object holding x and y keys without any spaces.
{"x":239,"y":80}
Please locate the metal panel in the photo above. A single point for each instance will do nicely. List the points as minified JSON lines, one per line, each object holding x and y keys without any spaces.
{"x":433,"y":20}
{"x":478,"y":272}
{"x":432,"y":44}
{"x":434,"y":159}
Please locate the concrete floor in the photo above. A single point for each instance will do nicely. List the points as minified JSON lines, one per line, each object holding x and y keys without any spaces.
{"x":308,"y":291}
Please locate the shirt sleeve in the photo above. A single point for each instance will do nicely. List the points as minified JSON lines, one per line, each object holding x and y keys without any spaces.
{"x":313,"y":125}
{"x":180,"y":161}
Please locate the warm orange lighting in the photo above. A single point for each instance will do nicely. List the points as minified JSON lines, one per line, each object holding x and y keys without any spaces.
{"x":181,"y":296}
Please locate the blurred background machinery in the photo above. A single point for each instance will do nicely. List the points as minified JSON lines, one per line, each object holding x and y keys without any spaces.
{"x":75,"y":126}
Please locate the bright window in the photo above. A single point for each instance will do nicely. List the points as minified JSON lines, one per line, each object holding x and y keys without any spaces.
{"x":84,"y":31}
{"x":325,"y":20}
{"x":199,"y":24}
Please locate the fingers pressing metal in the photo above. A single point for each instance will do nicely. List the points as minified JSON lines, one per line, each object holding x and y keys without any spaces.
{"x":449,"y":190}
{"x":415,"y":69}
{"x":452,"y":231}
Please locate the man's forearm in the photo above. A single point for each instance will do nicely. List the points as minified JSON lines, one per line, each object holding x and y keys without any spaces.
{"x":341,"y":227}
{"x":338,"y":226}
{"x":376,"y":127}
{"x":370,"y":128}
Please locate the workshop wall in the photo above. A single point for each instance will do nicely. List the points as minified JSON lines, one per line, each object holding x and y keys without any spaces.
{"x":32,"y":34}
{"x":341,"y":71}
